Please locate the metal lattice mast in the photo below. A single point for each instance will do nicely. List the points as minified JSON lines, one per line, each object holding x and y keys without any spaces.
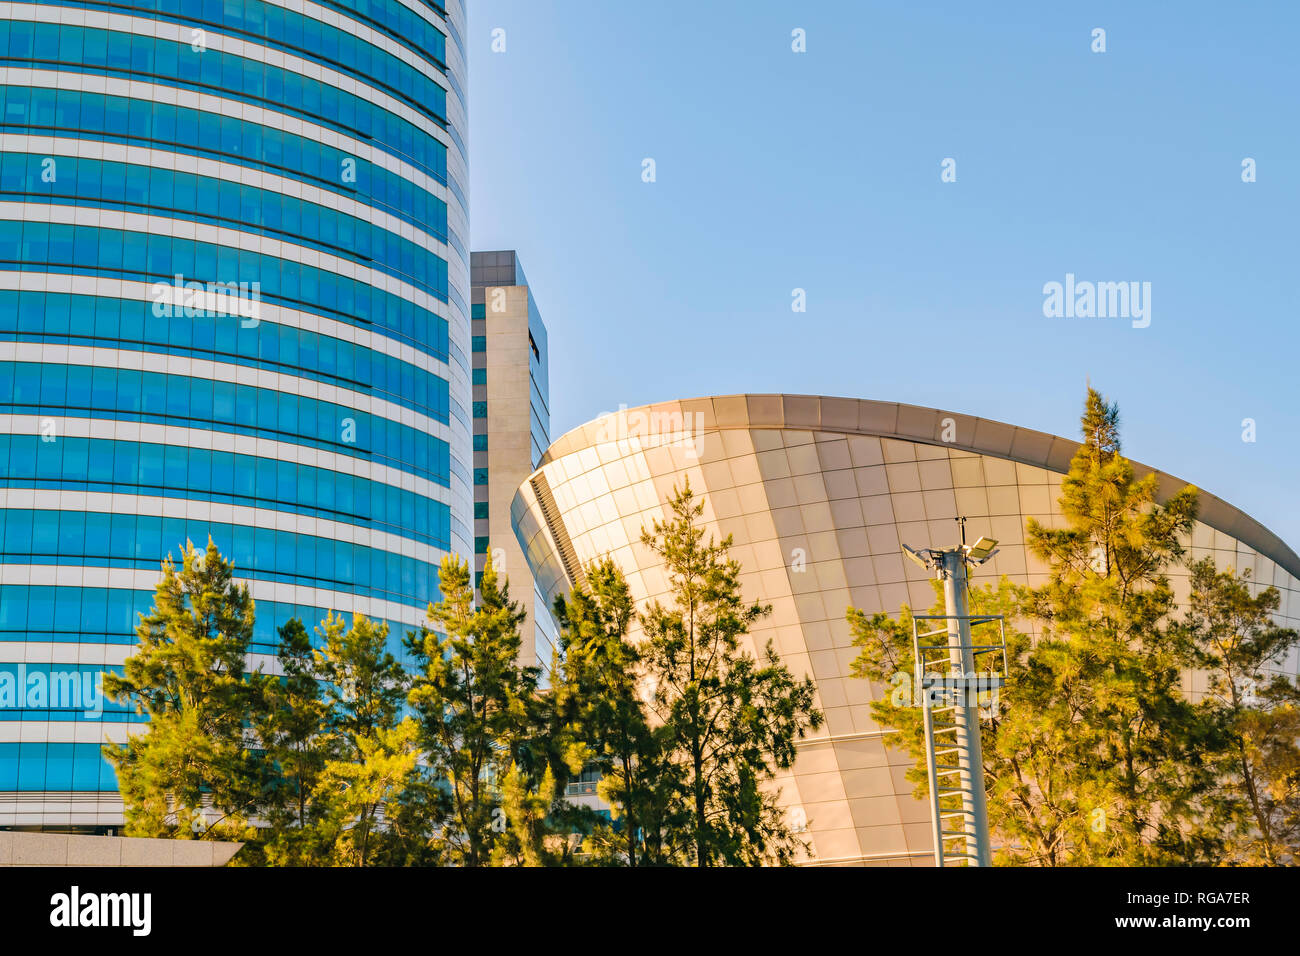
{"x":948,"y":685}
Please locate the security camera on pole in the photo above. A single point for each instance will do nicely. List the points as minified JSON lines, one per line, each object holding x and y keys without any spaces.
{"x":954,"y":757}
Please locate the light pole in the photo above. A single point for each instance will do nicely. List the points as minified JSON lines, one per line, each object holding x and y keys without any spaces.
{"x":962,"y":688}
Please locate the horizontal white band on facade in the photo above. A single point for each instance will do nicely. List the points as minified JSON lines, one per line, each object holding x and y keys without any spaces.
{"x":271,"y":312}
{"x":220,"y":106}
{"x":182,"y":436}
{"x":47,"y":808}
{"x":134,"y":579}
{"x":91,"y":654}
{"x":229,"y":172}
{"x":103,"y":730}
{"x":217,"y":235}
{"x":100,"y":654}
{"x":175,"y":32}
{"x":104,"y":357}
{"x":218,"y":512}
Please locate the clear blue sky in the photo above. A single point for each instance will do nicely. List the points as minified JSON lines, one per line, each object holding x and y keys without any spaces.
{"x":821,"y":170}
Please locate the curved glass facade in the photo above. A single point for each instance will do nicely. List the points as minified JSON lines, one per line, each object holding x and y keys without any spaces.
{"x":234,"y":285}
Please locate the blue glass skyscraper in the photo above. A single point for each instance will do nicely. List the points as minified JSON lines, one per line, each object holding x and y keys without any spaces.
{"x":234,"y":284}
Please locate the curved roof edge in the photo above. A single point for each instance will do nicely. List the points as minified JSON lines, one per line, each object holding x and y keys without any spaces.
{"x":860,"y":416}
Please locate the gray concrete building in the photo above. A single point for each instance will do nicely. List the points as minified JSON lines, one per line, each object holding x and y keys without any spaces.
{"x":511,"y":428}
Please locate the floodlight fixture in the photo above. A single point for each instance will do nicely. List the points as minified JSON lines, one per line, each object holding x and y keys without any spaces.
{"x":982,"y":550}
{"x":921,"y":558}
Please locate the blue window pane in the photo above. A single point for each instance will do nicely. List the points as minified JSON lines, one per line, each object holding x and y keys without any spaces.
{"x":58,"y":766}
{"x":31,"y":767}
{"x":9,"y":766}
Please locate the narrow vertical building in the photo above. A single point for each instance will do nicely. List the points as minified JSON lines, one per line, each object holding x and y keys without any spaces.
{"x":511,"y":429}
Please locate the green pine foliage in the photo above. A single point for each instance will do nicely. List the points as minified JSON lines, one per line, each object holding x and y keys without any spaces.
{"x":471,"y":698}
{"x":545,"y":750}
{"x":600,"y":679}
{"x":356,"y":789}
{"x":345,"y":758}
{"x":1108,"y":667}
{"x":730,"y":720}
{"x":372,"y":748}
{"x":290,"y":724}
{"x":1239,"y":648}
{"x":189,"y":773}
{"x":1095,"y":754}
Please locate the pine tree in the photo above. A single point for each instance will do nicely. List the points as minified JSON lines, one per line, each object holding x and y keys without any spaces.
{"x":1238,"y":646}
{"x":471,"y":698}
{"x":357,"y":789}
{"x":546,"y":749}
{"x":291,"y":725}
{"x":1109,"y":649}
{"x":373,"y":752}
{"x":1095,"y":755}
{"x":730,"y":720}
{"x":601,"y":674}
{"x":529,"y":806}
{"x":190,"y":773}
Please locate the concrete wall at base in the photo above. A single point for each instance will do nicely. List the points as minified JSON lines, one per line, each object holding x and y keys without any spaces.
{"x":20,"y":848}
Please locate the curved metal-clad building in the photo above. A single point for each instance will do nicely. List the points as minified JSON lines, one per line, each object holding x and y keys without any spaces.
{"x":234,"y":301}
{"x":819,"y":494}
